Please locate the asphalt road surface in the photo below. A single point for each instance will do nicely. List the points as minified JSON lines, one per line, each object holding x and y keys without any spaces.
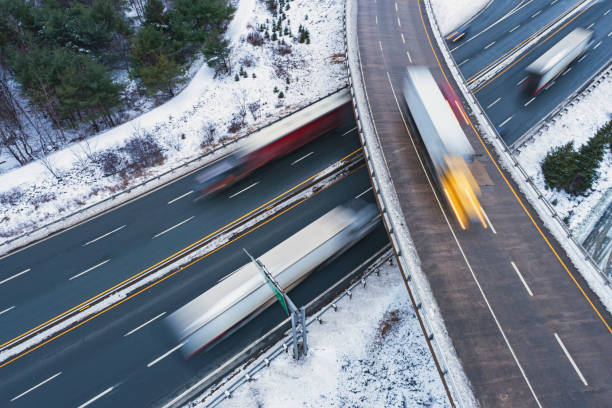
{"x":511,"y":110}
{"x":524,"y":323}
{"x":123,"y":356}
{"x":71,"y":267}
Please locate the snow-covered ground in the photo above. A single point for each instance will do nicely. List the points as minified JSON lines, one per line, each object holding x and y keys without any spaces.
{"x":453,"y":13}
{"x":370,"y":353}
{"x":31,"y":196}
{"x":578,"y":124}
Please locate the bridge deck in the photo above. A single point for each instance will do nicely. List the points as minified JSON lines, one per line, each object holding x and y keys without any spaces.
{"x":457,"y":266}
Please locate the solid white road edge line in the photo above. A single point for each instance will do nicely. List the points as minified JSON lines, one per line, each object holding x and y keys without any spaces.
{"x":179,"y":197}
{"x":104,"y":236}
{"x":36,"y":386}
{"x":521,"y":278}
{"x":15,"y":275}
{"x":103,"y":393}
{"x":7,"y":310}
{"x":166,"y":354}
{"x":144,"y":324}
{"x":301,"y":158}
{"x":360,"y":194}
{"x":488,"y":220}
{"x":450,"y":227}
{"x":174,"y":226}
{"x":243,"y":190}
{"x":88,"y":270}
{"x":569,"y":357}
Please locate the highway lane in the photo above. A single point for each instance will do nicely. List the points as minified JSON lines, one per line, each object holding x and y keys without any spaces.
{"x":99,"y":355}
{"x":64,"y":271}
{"x":513,"y":111}
{"x":495,"y":32}
{"x":523,"y":322}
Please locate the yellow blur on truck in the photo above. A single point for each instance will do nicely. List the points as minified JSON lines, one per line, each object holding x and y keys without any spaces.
{"x":462,"y":191}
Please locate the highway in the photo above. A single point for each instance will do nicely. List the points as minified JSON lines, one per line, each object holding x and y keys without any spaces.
{"x":509,"y":108}
{"x":123,"y":357}
{"x":73,"y":266}
{"x":524,"y":324}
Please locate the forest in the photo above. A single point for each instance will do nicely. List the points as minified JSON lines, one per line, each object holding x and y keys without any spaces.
{"x":73,"y":59}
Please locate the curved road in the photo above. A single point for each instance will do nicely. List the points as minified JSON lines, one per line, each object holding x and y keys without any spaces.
{"x":525,"y":325}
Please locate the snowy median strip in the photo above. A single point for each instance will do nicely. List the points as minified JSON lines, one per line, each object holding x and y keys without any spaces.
{"x":78,"y":316}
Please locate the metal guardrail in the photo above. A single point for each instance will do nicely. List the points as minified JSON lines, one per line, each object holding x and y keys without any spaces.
{"x":498,"y":65}
{"x":316,"y":308}
{"x":478,"y":110}
{"x":180,"y":169}
{"x":586,"y":88}
{"x":285,"y":346}
{"x":440,"y":357}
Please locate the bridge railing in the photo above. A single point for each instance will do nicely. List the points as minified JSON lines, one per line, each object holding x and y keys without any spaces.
{"x":315,"y":309}
{"x":135,"y":190}
{"x":514,"y":166}
{"x":427,"y":311}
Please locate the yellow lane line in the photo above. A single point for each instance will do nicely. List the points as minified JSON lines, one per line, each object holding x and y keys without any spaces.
{"x":507,"y":52}
{"x":173,"y":255}
{"x":188,"y":265}
{"x":531,"y":50}
{"x":514,"y":192}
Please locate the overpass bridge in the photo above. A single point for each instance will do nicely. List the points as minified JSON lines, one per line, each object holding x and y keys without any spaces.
{"x":520,"y":325}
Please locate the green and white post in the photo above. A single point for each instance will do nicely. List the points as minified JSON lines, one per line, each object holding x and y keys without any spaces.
{"x":298,"y":316}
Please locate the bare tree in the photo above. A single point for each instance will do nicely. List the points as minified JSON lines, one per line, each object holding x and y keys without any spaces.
{"x":241,"y":102}
{"x":49,"y":164}
{"x":139,"y":6}
{"x":208,"y":135}
{"x":253,"y":108}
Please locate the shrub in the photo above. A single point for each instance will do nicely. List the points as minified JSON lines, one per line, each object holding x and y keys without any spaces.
{"x":282,"y":48}
{"x":247,"y":61}
{"x":11,"y":197}
{"x":143,"y":152}
{"x":36,"y":201}
{"x":109,"y":161}
{"x":255,"y":38}
{"x":576,"y":171}
{"x":236,"y":123}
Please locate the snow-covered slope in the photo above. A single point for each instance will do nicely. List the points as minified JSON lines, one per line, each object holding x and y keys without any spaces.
{"x":578,"y":124}
{"x":370,"y":353}
{"x":31,"y":196}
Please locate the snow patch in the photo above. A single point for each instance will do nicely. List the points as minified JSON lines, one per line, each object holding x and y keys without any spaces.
{"x":452,"y":14}
{"x":578,"y":123}
{"x":178,"y":125}
{"x":371,"y":353}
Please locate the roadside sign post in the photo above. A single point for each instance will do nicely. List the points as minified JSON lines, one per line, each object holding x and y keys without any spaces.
{"x":298,"y":316}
